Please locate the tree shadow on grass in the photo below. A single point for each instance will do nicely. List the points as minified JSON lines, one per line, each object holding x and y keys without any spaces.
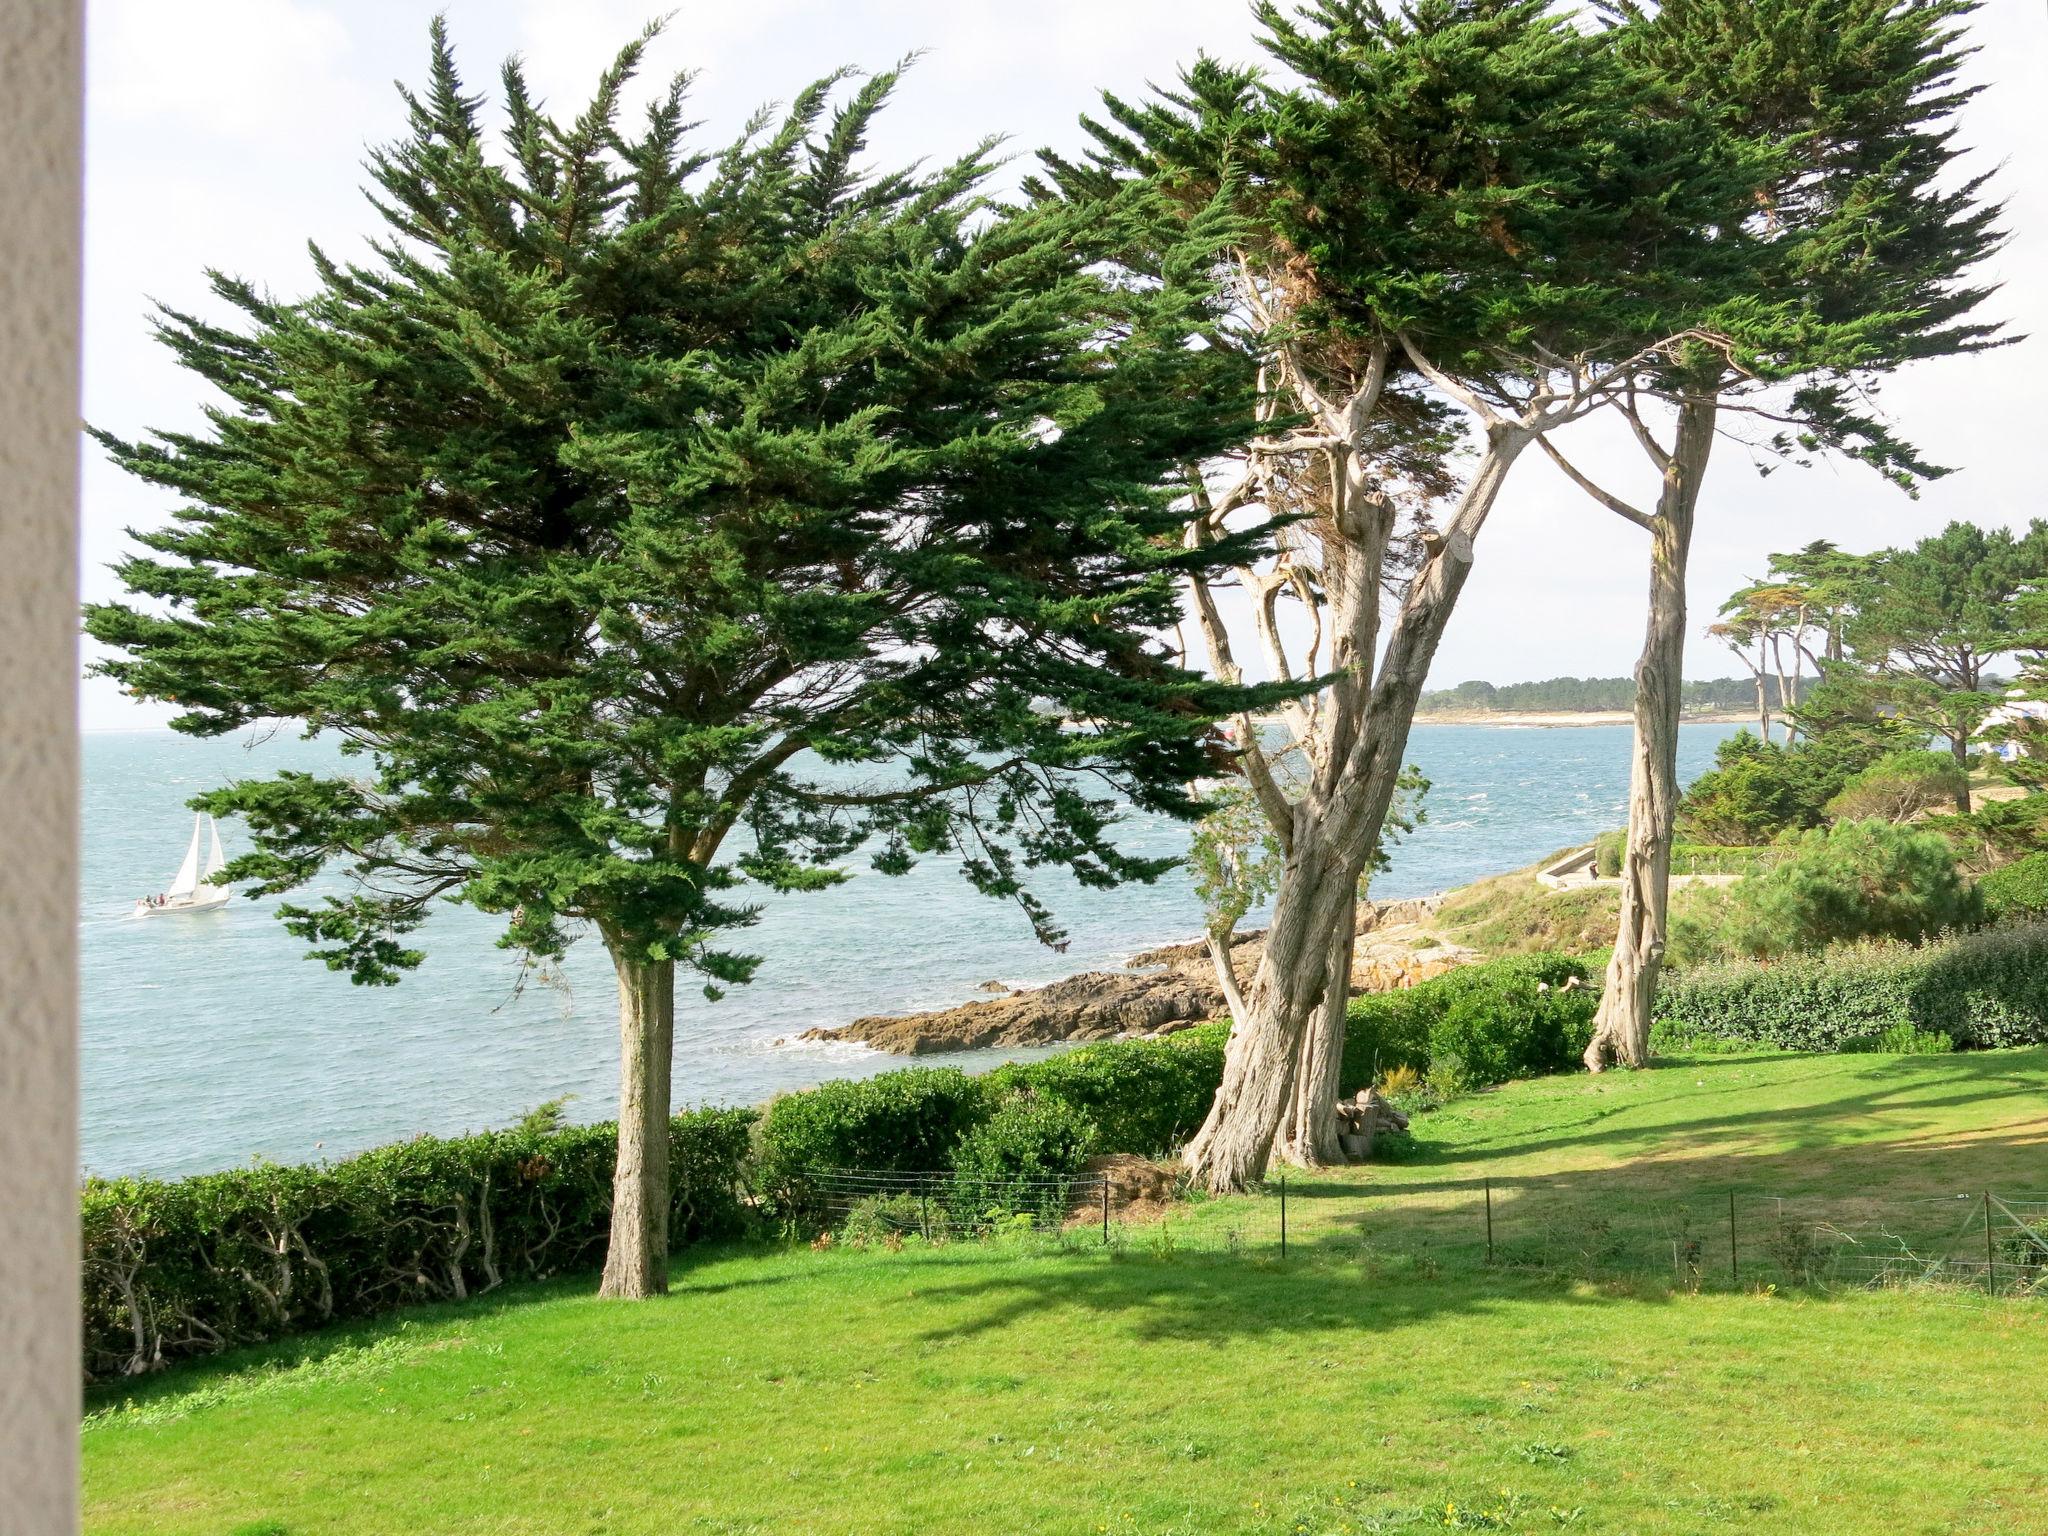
{"x":1981,"y":1078}
{"x":1590,"y":1238}
{"x":1218,"y":1299}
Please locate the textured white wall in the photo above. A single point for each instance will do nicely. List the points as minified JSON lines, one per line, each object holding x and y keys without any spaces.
{"x":41,"y":86}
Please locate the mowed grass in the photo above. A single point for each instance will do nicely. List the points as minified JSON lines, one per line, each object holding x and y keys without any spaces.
{"x":1379,"y":1378}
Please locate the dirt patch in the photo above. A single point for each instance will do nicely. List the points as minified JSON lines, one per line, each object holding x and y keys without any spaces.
{"x":1140,"y":1191}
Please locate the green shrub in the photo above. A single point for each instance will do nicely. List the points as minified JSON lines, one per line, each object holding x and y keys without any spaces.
{"x":1982,"y":989}
{"x":1514,"y":1017}
{"x":1144,"y":1096}
{"x":1900,"y":786}
{"x":1608,"y":849}
{"x":1477,"y":1025}
{"x":2018,"y":890}
{"x":906,"y":1122}
{"x":1906,"y":1040}
{"x":1385,"y":1032}
{"x":1854,"y":880}
{"x":1758,"y":790}
{"x":886,"y":1219}
{"x":1021,"y":1160}
{"x":192,"y":1266}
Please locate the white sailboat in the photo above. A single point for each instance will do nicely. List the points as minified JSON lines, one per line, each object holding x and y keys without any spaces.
{"x":192,"y":890}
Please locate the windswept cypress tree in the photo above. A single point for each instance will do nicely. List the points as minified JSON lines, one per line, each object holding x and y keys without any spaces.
{"x":1446,"y":204}
{"x":652,"y":523}
{"x":1853,"y":242}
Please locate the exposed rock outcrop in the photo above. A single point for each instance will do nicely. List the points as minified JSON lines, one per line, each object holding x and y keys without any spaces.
{"x":1096,"y":1005}
{"x":1163,"y":990}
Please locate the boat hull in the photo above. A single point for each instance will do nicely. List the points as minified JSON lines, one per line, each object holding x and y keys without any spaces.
{"x":182,"y":904}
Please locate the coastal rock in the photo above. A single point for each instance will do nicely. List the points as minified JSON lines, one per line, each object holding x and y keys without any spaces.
{"x":1097,"y":1005}
{"x":1165,"y":989}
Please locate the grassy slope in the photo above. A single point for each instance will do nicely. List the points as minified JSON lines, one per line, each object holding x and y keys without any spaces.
{"x":1366,"y":1383}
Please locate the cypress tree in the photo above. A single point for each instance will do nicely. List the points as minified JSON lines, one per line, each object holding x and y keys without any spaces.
{"x":1843,"y":250}
{"x":655,"y":523}
{"x":1449,"y":203}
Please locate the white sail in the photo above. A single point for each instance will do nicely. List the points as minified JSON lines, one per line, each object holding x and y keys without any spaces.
{"x":215,"y":860}
{"x":187,"y":879}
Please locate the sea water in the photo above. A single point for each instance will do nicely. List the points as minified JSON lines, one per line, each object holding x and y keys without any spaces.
{"x":209,"y":1039}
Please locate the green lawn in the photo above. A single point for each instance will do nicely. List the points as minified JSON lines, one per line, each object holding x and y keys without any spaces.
{"x":1380,"y":1378}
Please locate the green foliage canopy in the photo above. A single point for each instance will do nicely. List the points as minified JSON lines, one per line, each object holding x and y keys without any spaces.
{"x":630,"y":494}
{"x":1853,"y":880}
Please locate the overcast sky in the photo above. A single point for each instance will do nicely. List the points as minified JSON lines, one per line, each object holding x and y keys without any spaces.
{"x":229,"y":132}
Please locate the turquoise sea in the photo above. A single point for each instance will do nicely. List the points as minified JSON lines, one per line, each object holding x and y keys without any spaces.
{"x":209,"y":1040}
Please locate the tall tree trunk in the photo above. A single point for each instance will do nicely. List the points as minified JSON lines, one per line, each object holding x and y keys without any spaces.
{"x":1334,"y":827}
{"x":1763,"y":709}
{"x":1308,"y":1133}
{"x":636,"y":1261}
{"x":1621,"y":1028}
{"x":1959,"y":749}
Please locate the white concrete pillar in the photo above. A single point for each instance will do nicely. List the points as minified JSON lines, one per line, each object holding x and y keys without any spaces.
{"x":41,"y":98}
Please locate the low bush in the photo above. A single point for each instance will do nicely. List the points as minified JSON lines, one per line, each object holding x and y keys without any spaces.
{"x":1855,"y":880}
{"x":1982,"y":989}
{"x":1021,"y":1160}
{"x":1899,"y":787}
{"x":1906,"y":1040}
{"x":192,"y":1266}
{"x":1608,"y":849}
{"x":905,"y":1122}
{"x":1143,"y":1096}
{"x":1518,"y":1016}
{"x":2016,"y":891}
{"x":886,"y":1220}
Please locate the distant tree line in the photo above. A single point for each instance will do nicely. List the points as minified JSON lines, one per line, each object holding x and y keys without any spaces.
{"x":1586,"y":693}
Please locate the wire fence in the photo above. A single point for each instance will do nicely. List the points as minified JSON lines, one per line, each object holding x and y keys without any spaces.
{"x":1981,"y":1240}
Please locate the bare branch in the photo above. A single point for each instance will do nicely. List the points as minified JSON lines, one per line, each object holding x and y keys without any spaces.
{"x":1611,"y":502}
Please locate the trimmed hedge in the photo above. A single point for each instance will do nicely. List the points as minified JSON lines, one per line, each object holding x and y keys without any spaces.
{"x":904,"y":1122}
{"x":1022,"y":1158}
{"x":1481,"y":1024}
{"x":1982,"y":989}
{"x":1145,"y":1096}
{"x":191,"y":1266}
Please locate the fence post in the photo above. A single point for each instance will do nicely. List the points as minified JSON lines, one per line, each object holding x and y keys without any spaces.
{"x":1990,"y":1252}
{"x":1283,"y":1215}
{"x":1734,"y":1272}
{"x":1105,"y":1209}
{"x":1489,"y":1222}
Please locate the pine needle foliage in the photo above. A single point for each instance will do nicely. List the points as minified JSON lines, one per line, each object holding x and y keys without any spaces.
{"x":656,"y":522}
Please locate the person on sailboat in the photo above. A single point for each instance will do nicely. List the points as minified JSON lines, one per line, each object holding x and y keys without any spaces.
{"x":192,"y":890}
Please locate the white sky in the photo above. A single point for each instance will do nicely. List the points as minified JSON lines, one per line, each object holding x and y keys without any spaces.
{"x":228,"y":132}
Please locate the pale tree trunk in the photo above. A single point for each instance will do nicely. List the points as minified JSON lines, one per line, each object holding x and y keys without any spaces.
{"x":1334,"y":828}
{"x":1785,"y":695}
{"x":1308,"y":1132}
{"x":1621,"y":1028}
{"x":1959,"y":749}
{"x":636,"y":1261}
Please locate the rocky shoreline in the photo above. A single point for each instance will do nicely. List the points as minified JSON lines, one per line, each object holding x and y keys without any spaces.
{"x":1158,"y":992}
